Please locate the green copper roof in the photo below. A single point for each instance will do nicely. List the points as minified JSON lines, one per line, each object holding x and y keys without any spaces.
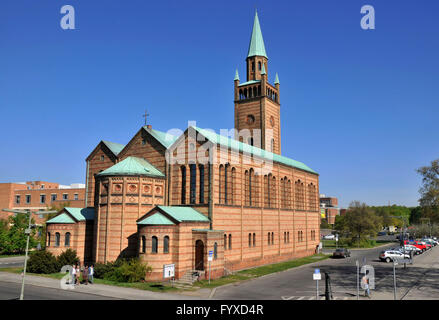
{"x":156,"y":219}
{"x":182,"y":214}
{"x":78,"y":214}
{"x":249,"y":82}
{"x":256,"y":47}
{"x":276,"y":80}
{"x":62,"y":218}
{"x":236,"y":75}
{"x":263,"y":69}
{"x":243,"y":147}
{"x":132,"y":166}
{"x":164,"y":138}
{"x":116,"y":148}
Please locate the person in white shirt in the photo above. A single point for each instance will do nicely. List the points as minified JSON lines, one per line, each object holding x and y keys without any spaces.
{"x":91,"y":272}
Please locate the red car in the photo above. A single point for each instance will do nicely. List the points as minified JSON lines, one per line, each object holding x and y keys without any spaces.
{"x":417,"y":244}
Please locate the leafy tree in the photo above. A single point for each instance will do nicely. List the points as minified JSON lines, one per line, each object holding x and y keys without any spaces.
{"x":359,"y":223}
{"x":12,"y":234}
{"x":430,"y":185}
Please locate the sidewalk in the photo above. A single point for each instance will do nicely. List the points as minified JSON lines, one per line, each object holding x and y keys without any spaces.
{"x":107,"y":290}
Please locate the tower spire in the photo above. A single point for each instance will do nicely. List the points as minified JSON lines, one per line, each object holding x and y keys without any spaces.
{"x":256,"y":47}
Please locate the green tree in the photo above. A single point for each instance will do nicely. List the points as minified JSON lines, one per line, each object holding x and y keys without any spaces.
{"x":13,"y":238}
{"x":429,"y":191}
{"x":359,"y":223}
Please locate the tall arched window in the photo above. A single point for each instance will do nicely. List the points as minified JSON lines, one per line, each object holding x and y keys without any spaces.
{"x":249,"y":239}
{"x":272,"y":238}
{"x":166,"y":244}
{"x":222,"y":181}
{"x":154,"y":246}
{"x":259,"y":65}
{"x":273,"y":193}
{"x":230,"y":241}
{"x":289,"y":193}
{"x":57,"y":239}
{"x":226,"y":182}
{"x":48,"y":239}
{"x":67,"y":239}
{"x":312,"y":197}
{"x":225,"y":242}
{"x":269,"y":238}
{"x":193,"y":182}
{"x":299,"y":195}
{"x":215,"y":250}
{"x":183,"y":184}
{"x":201,"y":169}
{"x":254,"y":239}
{"x":232,"y":186}
{"x":143,"y":244}
{"x":272,"y":145}
{"x":247,"y":189}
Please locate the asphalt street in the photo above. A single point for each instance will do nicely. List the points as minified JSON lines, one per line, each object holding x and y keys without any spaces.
{"x":12,"y":262}
{"x":298,"y":283}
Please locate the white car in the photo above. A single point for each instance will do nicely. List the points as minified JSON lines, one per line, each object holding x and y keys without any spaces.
{"x":409,"y":247}
{"x":391,"y":255}
{"x":329,"y":237}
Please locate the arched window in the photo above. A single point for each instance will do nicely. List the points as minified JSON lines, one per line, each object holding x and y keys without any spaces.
{"x":272,"y":238}
{"x":222,"y":180}
{"x":48,"y":239}
{"x":67,"y":239}
{"x":225,"y":242}
{"x":143,"y":244}
{"x":249,"y":239}
{"x":201,"y":169}
{"x":269,"y":238}
{"x":255,"y":91}
{"x":259,"y":65}
{"x":226,"y":182}
{"x":273,"y":200}
{"x":230,"y":241}
{"x":299,"y":195}
{"x":57,"y":239}
{"x":254,"y":239}
{"x":154,"y":247}
{"x":247,"y":189}
{"x":272,"y":145}
{"x":312,"y":197}
{"x":232,"y":186}
{"x":183,"y":184}
{"x":215,"y":251}
{"x":250,"y":141}
{"x":193,"y":182}
{"x":166,"y":244}
{"x":253,"y":66}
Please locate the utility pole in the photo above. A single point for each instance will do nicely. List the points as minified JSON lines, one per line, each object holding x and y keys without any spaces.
{"x":28,"y":232}
{"x":358,"y":279}
{"x":394,"y":279}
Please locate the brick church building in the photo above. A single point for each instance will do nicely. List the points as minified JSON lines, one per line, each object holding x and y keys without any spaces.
{"x":170,"y":199}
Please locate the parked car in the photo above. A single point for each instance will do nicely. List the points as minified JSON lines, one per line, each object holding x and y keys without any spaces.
{"x":430,"y":241}
{"x":409,"y":248}
{"x":382,"y":233}
{"x":329,"y":237}
{"x":427,"y":244}
{"x":390,"y":255}
{"x":341,"y":253}
{"x":417,"y":244}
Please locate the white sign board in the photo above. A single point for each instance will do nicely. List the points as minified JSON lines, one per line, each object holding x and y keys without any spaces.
{"x":168,"y":271}
{"x":210,"y":257}
{"x":317,"y":275}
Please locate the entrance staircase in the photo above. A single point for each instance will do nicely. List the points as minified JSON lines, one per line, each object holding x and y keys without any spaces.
{"x":188,"y":279}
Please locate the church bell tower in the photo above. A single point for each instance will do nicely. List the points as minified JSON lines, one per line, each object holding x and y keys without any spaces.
{"x":257,"y":106}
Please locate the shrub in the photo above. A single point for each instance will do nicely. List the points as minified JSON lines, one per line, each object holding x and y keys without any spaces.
{"x":68,"y":257}
{"x":128,"y":271}
{"x":102,"y":269}
{"x":42,"y":262}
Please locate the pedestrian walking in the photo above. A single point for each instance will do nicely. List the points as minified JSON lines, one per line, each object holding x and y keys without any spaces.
{"x":85,"y":274}
{"x":365,"y":282}
{"x":91,"y":272}
{"x":73,"y":275}
{"x":78,"y":273}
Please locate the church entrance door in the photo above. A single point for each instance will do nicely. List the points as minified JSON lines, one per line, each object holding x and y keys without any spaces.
{"x":199,"y":255}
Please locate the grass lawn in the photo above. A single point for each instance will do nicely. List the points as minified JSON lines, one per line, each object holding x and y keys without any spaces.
{"x":260,"y":271}
{"x":163,"y":287}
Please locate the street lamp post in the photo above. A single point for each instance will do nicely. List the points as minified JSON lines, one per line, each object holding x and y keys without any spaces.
{"x":28,"y":232}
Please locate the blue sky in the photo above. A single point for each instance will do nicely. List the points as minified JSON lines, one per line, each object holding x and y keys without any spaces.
{"x":360,"y":107}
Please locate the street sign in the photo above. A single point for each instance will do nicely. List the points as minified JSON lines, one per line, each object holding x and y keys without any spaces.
{"x":317,"y":275}
{"x":168,"y":271}
{"x":210,"y":257}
